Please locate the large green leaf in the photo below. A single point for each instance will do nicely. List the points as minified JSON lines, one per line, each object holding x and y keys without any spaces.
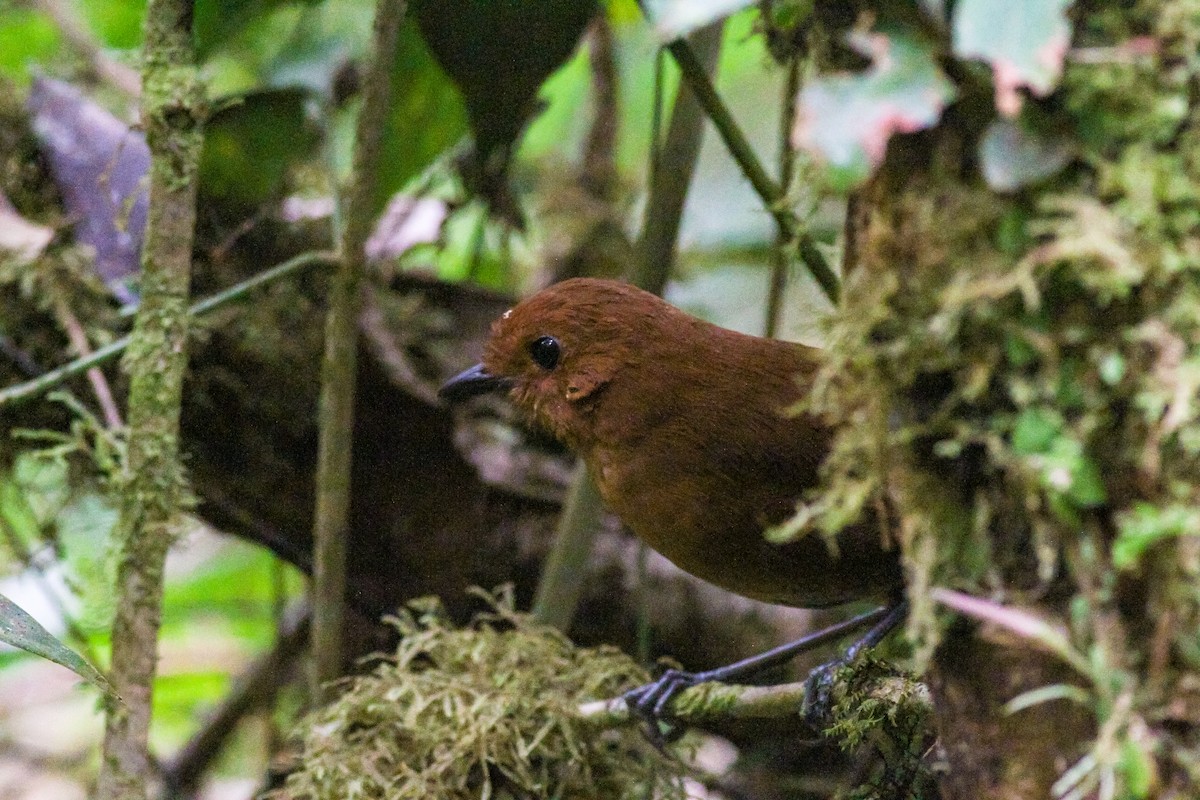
{"x":1024,"y":41}
{"x":21,"y":630}
{"x":845,"y":121}
{"x":217,"y":21}
{"x":250,"y":144}
{"x":427,"y":116}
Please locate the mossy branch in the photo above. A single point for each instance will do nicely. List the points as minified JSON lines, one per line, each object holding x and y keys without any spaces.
{"x":154,"y":485}
{"x":709,"y":703}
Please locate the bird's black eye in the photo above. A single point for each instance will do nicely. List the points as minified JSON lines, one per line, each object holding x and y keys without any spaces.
{"x":544,"y":351}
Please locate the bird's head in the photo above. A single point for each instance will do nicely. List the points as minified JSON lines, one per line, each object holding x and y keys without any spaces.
{"x":558,"y":351}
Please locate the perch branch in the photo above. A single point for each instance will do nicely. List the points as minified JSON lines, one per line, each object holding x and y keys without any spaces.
{"x":708,"y":703}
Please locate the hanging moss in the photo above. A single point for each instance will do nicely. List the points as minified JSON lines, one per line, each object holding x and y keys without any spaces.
{"x":479,"y":712}
{"x":1020,"y":376}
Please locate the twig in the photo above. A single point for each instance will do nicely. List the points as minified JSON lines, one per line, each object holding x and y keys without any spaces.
{"x":255,"y":688}
{"x":79,"y":341}
{"x":73,"y":30}
{"x":695,"y":76}
{"x":339,"y":364}
{"x":52,"y":378}
{"x":787,"y":165}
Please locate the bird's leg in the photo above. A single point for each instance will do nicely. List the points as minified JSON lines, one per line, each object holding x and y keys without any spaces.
{"x":651,"y":700}
{"x":818,"y":686}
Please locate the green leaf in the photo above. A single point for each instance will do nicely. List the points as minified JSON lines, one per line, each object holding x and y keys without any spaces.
{"x":1146,"y":524}
{"x":26,"y":36}
{"x":845,"y":121}
{"x":1012,"y":157}
{"x":1035,"y":431}
{"x":116,"y":23}
{"x":1087,"y":486}
{"x":675,"y":18}
{"x":427,"y":116}
{"x":252,"y":142}
{"x":218,"y":21}
{"x":1137,"y":764}
{"x":21,"y":630}
{"x":1024,"y":41}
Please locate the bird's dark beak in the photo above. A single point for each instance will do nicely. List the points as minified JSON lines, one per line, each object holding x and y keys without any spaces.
{"x":471,"y":382}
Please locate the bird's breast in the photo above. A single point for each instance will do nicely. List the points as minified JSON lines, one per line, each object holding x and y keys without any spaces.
{"x":712,"y":527}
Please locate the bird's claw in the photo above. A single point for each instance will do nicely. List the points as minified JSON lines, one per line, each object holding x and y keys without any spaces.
{"x":818,"y":693}
{"x":651,"y":704}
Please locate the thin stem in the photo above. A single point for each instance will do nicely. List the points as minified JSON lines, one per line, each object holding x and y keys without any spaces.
{"x":560,"y":588}
{"x":79,"y":342}
{"x":339,"y":366}
{"x":671,"y":172}
{"x":48,"y":380}
{"x":154,"y":485}
{"x":787,"y":165}
{"x":695,"y":76}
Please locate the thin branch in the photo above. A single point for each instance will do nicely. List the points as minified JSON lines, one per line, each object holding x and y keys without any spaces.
{"x":339,"y":364}
{"x":781,"y":256}
{"x":77,"y":35}
{"x":154,"y":484}
{"x":79,"y":342}
{"x":693,"y":73}
{"x":48,"y":380}
{"x":255,"y":688}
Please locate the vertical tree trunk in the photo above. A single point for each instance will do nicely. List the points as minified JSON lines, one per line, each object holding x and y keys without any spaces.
{"x":154,"y":485}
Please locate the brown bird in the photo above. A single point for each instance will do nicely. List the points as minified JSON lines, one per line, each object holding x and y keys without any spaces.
{"x":685,"y":428}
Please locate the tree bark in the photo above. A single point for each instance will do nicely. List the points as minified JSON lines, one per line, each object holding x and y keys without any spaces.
{"x":154,"y":485}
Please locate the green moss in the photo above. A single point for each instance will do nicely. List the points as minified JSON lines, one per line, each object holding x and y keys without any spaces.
{"x":1020,"y":373}
{"x":895,"y":725}
{"x":485,"y":711}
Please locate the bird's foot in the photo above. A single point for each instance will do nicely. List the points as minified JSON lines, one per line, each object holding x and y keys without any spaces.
{"x":651,"y":704}
{"x":818,"y":692}
{"x":819,"y":685}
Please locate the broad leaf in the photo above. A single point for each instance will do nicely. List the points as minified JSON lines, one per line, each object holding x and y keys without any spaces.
{"x":845,"y":121}
{"x":1024,"y":41}
{"x":252,"y":142}
{"x":21,"y":630}
{"x":427,"y":116}
{"x":1013,"y":157}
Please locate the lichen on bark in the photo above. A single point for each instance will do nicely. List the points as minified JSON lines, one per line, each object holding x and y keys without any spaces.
{"x":153,"y":486}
